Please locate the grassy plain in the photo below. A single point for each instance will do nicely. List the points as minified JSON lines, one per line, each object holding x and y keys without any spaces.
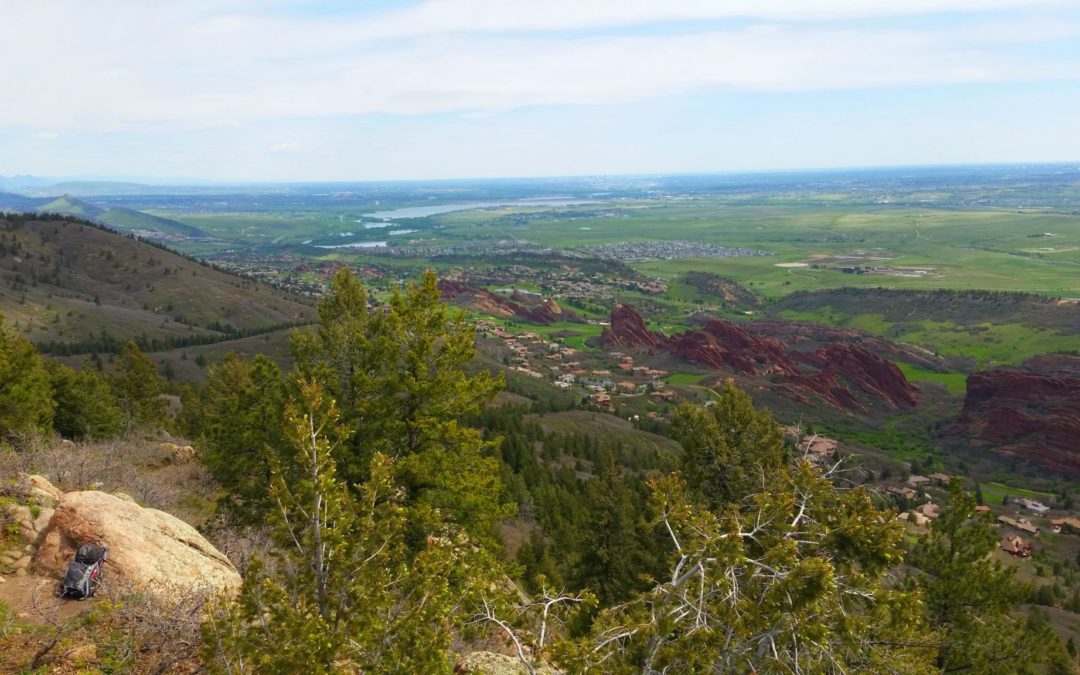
{"x":955,"y":383}
{"x":921,"y":249}
{"x":993,"y":492}
{"x":989,"y":249}
{"x":983,"y":344}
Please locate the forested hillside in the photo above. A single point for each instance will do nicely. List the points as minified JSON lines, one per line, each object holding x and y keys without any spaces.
{"x":388,"y":517}
{"x":72,"y":287}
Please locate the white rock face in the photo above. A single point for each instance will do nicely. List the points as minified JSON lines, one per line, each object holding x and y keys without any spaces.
{"x":147,"y":547}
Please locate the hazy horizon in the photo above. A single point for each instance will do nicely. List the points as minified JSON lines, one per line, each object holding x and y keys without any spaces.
{"x":194,"y":181}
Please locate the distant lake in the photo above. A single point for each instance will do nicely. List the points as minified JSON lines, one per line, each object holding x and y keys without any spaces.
{"x":424,"y":211}
{"x":358,"y":244}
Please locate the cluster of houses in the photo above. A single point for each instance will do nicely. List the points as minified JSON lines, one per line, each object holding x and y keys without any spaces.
{"x":636,"y":380}
{"x":533,"y":356}
{"x":909,"y":492}
{"x":562,"y":282}
{"x":1012,"y":542}
{"x":816,"y":449}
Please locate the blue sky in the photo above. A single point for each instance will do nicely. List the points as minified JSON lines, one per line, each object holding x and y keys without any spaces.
{"x":278,"y":90}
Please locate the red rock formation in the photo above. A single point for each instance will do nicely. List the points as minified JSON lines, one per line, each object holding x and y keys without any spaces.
{"x":550,"y":306}
{"x":1031,"y":411}
{"x":483,"y":300}
{"x":845,"y":376}
{"x":824,"y":387}
{"x":870,"y":373}
{"x":721,"y":344}
{"x":801,"y":332}
{"x":628,"y":330}
{"x":723,"y":288}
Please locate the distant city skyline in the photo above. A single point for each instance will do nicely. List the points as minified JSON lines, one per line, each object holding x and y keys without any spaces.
{"x":280,"y":90}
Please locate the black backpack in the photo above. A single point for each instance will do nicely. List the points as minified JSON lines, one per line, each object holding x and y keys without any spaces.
{"x":84,"y":573}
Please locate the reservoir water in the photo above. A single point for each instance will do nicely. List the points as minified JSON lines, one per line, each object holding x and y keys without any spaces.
{"x":358,"y":244}
{"x":424,"y":211}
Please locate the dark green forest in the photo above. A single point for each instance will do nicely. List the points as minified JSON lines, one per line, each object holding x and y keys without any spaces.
{"x":412,"y":517}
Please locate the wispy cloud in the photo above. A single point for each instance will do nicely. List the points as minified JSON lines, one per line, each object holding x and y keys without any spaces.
{"x":103,"y":67}
{"x":287,"y":148}
{"x":245,"y":85}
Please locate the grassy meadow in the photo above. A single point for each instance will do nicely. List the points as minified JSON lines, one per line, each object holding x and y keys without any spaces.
{"x":1036,"y":251}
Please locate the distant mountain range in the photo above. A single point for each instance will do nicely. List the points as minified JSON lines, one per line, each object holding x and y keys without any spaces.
{"x":117,"y":217}
{"x":70,"y":206}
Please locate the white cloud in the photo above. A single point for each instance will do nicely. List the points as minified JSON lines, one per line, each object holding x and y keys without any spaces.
{"x":45,"y":136}
{"x":287,"y":148}
{"x":470,"y":16}
{"x":116,"y":66}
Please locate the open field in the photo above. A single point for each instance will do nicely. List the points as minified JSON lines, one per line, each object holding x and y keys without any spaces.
{"x":993,"y":492}
{"x":959,"y":249}
{"x":987,"y":249}
{"x":955,"y":383}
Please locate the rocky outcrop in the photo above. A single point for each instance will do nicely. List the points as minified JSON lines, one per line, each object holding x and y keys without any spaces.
{"x":1031,"y":412}
{"x":628,"y":329}
{"x":544,"y":313}
{"x":147,"y":548}
{"x":178,"y":454}
{"x":872,"y":374}
{"x":723,"y":288}
{"x":551,"y":308}
{"x":845,"y":375}
{"x":723,"y":345}
{"x":803,"y":333}
{"x":41,"y":490}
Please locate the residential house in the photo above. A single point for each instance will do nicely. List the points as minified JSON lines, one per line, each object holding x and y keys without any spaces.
{"x":914,"y":517}
{"x":1021,"y":524}
{"x":1015,"y":546}
{"x":819,"y":446}
{"x":930,"y":510}
{"x":1068,"y":525}
{"x":1033,"y":505}
{"x":905,"y":492}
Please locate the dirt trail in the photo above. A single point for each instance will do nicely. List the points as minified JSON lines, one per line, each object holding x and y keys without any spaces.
{"x":33,"y":599}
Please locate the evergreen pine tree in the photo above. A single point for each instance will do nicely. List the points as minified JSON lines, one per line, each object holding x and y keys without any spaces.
{"x":727,"y":446}
{"x":138,"y":388}
{"x":970,"y":598}
{"x":613,"y":556}
{"x":398,"y":373}
{"x":347,"y":597}
{"x":85,"y":404}
{"x":238,"y":425}
{"x":26,"y":403}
